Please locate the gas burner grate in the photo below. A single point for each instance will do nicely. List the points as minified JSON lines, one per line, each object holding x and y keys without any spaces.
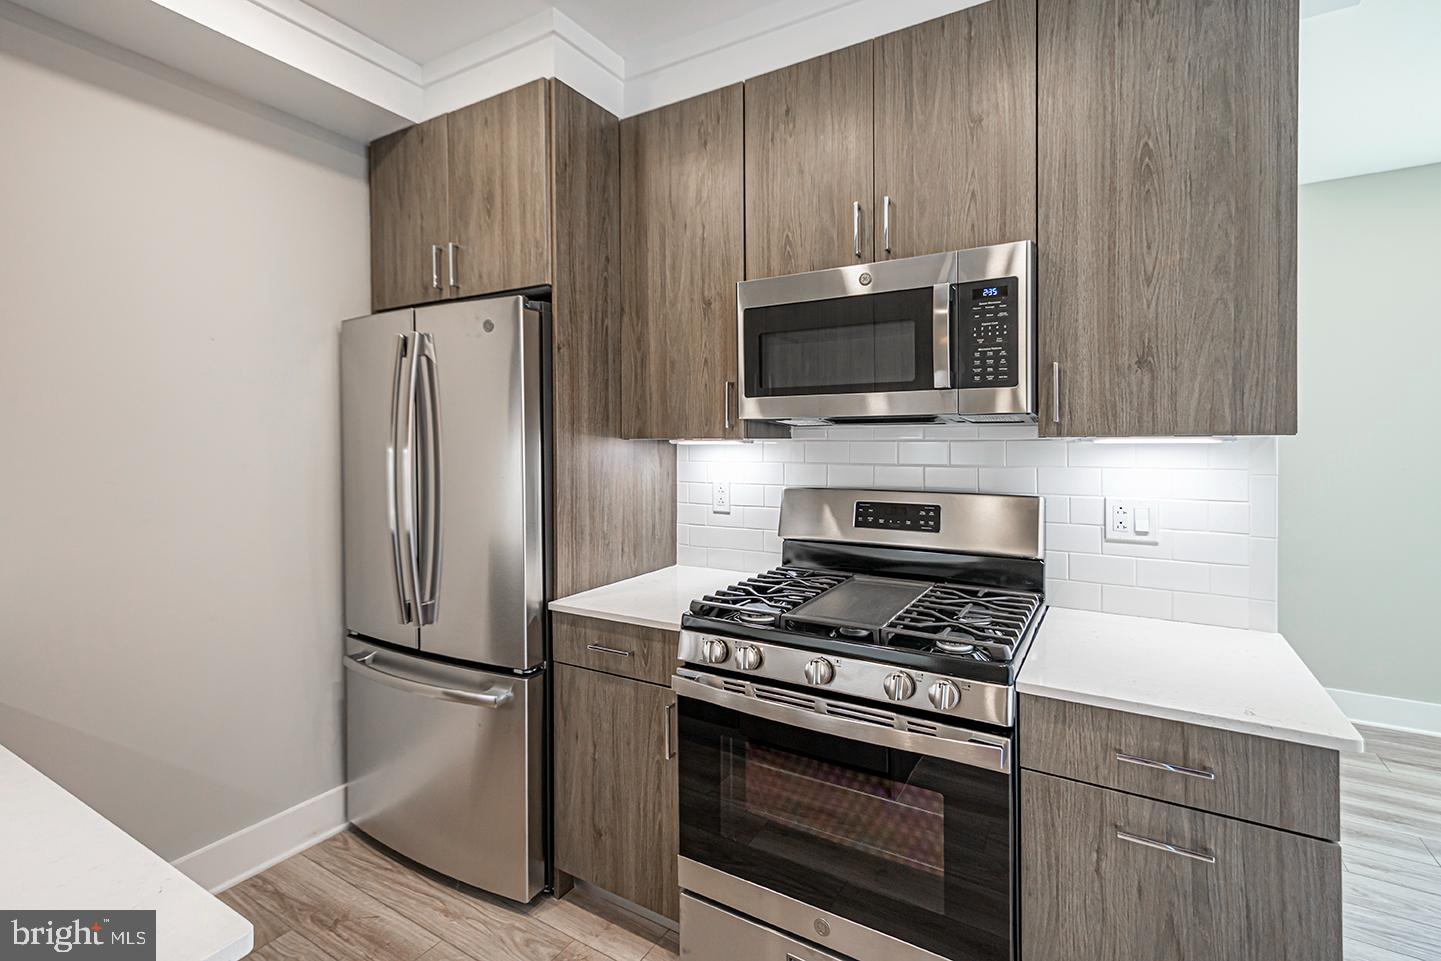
{"x":760,"y":601}
{"x":976,"y":623}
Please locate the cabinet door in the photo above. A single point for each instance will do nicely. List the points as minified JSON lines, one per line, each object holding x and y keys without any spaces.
{"x":1097,"y":883}
{"x":408,"y":199}
{"x":499,"y":193}
{"x":616,"y":790}
{"x":1167,"y":240}
{"x":682,"y":250}
{"x":956,"y":131}
{"x":809,"y":159}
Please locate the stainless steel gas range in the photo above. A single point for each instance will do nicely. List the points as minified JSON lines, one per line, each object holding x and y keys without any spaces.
{"x":847,"y":775}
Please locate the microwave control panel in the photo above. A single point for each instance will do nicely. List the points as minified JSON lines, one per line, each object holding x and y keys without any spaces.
{"x":988,"y":351}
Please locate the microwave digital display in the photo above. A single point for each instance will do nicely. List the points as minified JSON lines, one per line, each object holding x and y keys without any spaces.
{"x":988,"y":293}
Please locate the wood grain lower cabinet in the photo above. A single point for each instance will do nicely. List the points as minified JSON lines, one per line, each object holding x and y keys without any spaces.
{"x":682,"y":195}
{"x":1100,"y":884}
{"x":616,"y":790}
{"x":1167,"y":217}
{"x":809,"y":158}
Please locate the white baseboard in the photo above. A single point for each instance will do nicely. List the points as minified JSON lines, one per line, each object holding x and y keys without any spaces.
{"x":1423,"y":717}
{"x":227,"y":862}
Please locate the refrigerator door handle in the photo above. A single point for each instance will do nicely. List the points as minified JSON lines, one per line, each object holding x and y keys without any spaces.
{"x":361,"y":664}
{"x":392,"y":486}
{"x":431,"y":501}
{"x":409,"y":468}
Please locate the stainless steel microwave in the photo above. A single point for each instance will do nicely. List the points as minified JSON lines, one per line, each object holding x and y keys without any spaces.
{"x":939,"y":338}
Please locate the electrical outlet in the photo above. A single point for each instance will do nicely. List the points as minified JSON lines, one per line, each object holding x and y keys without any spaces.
{"x":720,"y":497}
{"x":1131,"y":521}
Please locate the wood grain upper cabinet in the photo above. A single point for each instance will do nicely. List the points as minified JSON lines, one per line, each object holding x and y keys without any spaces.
{"x":809,"y":162}
{"x":616,"y":786}
{"x":682,"y":252}
{"x":408,"y":215}
{"x":1107,"y":876}
{"x":1167,"y":217}
{"x":499,"y":196}
{"x":955,"y":154}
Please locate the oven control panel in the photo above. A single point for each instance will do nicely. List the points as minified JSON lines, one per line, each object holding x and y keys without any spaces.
{"x":899,"y":517}
{"x":988,"y":350}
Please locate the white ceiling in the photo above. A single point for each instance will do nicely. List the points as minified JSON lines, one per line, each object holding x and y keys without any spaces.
{"x":1370,"y":80}
{"x":1370,"y":89}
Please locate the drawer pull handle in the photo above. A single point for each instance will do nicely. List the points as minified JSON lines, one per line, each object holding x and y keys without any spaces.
{"x":1168,"y":848}
{"x":1168,"y":768}
{"x":602,"y":649}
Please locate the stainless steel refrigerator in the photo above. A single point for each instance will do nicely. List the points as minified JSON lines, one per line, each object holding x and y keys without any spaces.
{"x":444,"y":452}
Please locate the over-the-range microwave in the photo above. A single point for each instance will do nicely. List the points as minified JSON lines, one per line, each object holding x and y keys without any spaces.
{"x":939,"y":338}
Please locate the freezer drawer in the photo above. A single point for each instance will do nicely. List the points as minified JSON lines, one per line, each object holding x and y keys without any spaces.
{"x":444,"y":766}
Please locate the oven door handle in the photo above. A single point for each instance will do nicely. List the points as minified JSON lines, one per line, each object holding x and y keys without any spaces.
{"x":949,"y":743}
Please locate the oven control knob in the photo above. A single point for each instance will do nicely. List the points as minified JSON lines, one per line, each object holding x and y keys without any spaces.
{"x":748,"y":657}
{"x":899,"y":686}
{"x":820,"y":671}
{"x":715,"y":650}
{"x":944,"y":695}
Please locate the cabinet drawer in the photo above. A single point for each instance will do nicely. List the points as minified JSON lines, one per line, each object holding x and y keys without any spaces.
{"x":1285,"y":785}
{"x":629,"y":650}
{"x":1107,"y":876}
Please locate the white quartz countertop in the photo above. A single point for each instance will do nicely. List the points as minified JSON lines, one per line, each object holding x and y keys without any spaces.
{"x":56,"y":854}
{"x":657,"y":599}
{"x":1246,"y":681}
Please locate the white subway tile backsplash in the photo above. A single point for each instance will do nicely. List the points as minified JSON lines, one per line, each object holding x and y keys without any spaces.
{"x":850,"y":475}
{"x":1073,"y":538}
{"x":1008,"y":480}
{"x":963,"y":479}
{"x":1211,"y":548}
{"x":1103,"y":569}
{"x":1215,"y":562}
{"x":980,"y":453}
{"x":891,"y":477}
{"x":1137,"y":601}
{"x":873,"y":452}
{"x":925,"y":452}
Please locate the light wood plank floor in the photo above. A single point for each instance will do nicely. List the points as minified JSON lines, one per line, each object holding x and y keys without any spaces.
{"x":347,"y":899}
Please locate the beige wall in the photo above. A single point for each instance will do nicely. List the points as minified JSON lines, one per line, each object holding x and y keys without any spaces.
{"x":1360,"y":509}
{"x":173,"y":271}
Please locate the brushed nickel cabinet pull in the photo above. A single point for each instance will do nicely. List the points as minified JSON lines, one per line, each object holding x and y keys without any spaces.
{"x":1168,"y":768}
{"x":602,"y":649}
{"x":856,"y":226}
{"x":1055,"y":392}
{"x":886,"y":221}
{"x":435,"y":266}
{"x":1201,"y":856}
{"x":450,"y":250}
{"x":726,"y":400}
{"x":666,"y":718}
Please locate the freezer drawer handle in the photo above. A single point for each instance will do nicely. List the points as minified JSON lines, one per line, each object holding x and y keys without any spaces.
{"x":361,"y":664}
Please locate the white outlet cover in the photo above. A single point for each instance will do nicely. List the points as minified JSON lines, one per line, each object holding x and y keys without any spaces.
{"x":720,"y":497}
{"x":1120,"y":520}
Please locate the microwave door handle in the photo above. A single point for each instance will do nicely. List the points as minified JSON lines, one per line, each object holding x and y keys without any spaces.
{"x":941,"y":311}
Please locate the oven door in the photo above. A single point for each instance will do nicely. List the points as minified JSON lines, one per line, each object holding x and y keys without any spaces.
{"x":877,"y":837}
{"x":867,"y":341}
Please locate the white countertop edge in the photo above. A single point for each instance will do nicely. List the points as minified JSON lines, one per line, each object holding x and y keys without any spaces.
{"x":1259,"y":728}
{"x":615,"y":617}
{"x":656,"y":599}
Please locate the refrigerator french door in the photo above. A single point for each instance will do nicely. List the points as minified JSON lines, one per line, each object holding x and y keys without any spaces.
{"x":442,"y":432}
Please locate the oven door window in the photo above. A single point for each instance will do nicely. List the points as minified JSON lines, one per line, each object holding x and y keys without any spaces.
{"x":913,"y":846}
{"x":871,"y":342}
